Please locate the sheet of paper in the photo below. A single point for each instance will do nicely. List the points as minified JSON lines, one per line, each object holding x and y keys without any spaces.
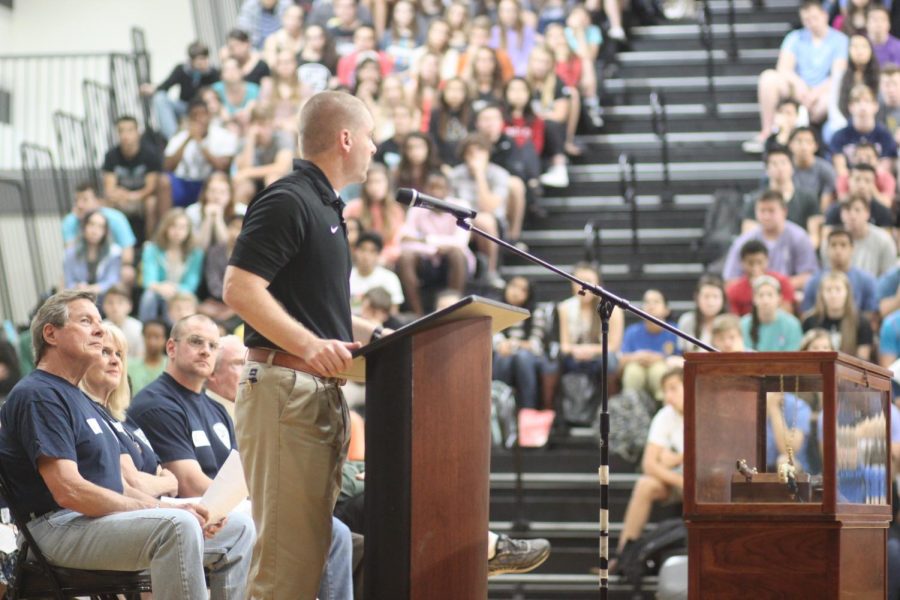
{"x":227,"y":490}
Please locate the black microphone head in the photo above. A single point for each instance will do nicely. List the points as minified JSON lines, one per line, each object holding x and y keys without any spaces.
{"x":407,"y":196}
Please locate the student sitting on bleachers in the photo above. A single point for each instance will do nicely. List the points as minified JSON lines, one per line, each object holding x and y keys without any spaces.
{"x":117,"y":307}
{"x":662,"y":465}
{"x":379,"y":212}
{"x":768,"y":328}
{"x":368,"y":274}
{"x":838,"y":254}
{"x":812,"y":174}
{"x":709,"y":302}
{"x":726,"y":333}
{"x":518,"y":349}
{"x":836,"y":312}
{"x":94,"y":262}
{"x":874,"y":250}
{"x":647,"y":348}
{"x":755,"y":262}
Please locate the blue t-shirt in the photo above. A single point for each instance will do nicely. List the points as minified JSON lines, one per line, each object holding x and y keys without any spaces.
{"x":887,"y":284}
{"x":862,"y":284}
{"x":638,"y":337}
{"x":845,"y":141}
{"x":813,"y":60}
{"x":251,"y":94}
{"x":889,"y":337}
{"x":797,"y":415}
{"x":46,"y":416}
{"x":134,"y":443}
{"x":119,"y":227}
{"x":183,"y":425}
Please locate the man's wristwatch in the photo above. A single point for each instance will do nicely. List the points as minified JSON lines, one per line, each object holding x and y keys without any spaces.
{"x":376,"y":334}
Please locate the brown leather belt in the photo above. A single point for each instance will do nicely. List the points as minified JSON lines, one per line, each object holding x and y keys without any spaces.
{"x":288,"y":361}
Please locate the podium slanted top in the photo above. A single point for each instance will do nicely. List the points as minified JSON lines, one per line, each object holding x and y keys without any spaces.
{"x":502,"y":316}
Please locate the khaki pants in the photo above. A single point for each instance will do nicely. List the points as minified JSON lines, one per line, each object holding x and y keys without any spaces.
{"x":293,"y":430}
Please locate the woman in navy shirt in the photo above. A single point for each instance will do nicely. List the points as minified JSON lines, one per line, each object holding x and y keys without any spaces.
{"x":106,"y":383}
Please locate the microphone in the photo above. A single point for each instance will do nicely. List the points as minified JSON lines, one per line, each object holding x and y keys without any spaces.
{"x":413,"y":198}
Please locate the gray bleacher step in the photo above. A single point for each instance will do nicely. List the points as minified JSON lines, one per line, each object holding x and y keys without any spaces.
{"x":609,"y":270}
{"x":570,"y":529}
{"x":620,"y":140}
{"x":721,"y":82}
{"x":691,"y":31}
{"x":726,"y":109}
{"x":691,"y":117}
{"x":679,"y":171}
{"x":693,"y":57}
{"x":645,"y":235}
{"x":742,"y":6}
{"x":554,"y":480}
{"x":644,"y":201}
{"x":546,"y":584}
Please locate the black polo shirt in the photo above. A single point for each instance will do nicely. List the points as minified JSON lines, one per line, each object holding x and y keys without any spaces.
{"x":294,"y":238}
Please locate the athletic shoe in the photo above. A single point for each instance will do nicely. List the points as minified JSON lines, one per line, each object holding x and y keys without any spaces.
{"x":518,"y":556}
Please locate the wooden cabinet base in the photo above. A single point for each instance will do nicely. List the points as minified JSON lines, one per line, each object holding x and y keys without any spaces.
{"x":753,"y":559}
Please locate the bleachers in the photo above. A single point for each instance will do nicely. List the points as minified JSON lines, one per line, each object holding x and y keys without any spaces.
{"x":561,"y":487}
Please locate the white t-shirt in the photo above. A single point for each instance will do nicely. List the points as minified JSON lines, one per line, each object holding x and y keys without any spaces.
{"x":194,"y":166}
{"x":380,"y":277}
{"x":667,"y":429}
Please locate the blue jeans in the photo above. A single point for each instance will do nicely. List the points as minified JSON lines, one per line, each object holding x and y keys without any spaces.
{"x":167,"y":541}
{"x":152,"y":306}
{"x":337,"y":578}
{"x":520,"y":370}
{"x":168,"y":112}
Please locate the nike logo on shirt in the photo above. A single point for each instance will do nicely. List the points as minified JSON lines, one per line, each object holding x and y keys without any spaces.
{"x":334,"y":228}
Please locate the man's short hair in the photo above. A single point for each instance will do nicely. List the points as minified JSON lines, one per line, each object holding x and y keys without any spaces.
{"x":861,"y":92}
{"x":890,"y":68}
{"x":178,"y":328}
{"x":323,"y":117}
{"x":156,"y":323}
{"x":473,"y":140}
{"x":751,"y":247}
{"x":85,"y":186}
{"x":239,"y":35}
{"x":866,"y":146}
{"x":54,"y":311}
{"x":126,"y":119}
{"x":807,"y":4}
{"x":379,"y":299}
{"x":118,"y":290}
{"x":864,"y":167}
{"x":855,"y":199}
{"x":197,"y":102}
{"x":779,"y":150}
{"x":725,"y":323}
{"x":371,"y":237}
{"x":875,"y":7}
{"x":262,"y":113}
{"x":197,"y":49}
{"x":788,"y":101}
{"x":804,"y":129}
{"x":772,"y":196}
{"x":840,"y":232}
{"x":672,"y":372}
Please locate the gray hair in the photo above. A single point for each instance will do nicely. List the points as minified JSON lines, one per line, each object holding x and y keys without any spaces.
{"x":54,"y":311}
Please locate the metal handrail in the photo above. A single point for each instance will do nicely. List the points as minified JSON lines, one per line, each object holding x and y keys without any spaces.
{"x":707,"y":40}
{"x":592,"y":242}
{"x":732,"y":34}
{"x":660,"y":121}
{"x":628,"y":189}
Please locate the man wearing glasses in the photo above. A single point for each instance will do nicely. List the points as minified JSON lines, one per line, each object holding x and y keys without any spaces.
{"x":191,"y":433}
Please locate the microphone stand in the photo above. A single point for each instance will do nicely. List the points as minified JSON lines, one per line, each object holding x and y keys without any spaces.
{"x":608,"y":302}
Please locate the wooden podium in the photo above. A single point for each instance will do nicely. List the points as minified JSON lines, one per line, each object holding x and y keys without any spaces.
{"x":428,"y":410}
{"x":755,"y":536}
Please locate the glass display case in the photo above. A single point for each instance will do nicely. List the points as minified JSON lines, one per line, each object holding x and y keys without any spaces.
{"x":787,"y":442}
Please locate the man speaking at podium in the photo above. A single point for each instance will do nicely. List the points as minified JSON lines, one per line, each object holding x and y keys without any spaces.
{"x":288,"y":279}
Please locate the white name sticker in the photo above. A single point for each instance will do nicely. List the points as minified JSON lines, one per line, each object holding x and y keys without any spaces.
{"x":200,"y":439}
{"x":118,"y":427}
{"x":94,"y":425}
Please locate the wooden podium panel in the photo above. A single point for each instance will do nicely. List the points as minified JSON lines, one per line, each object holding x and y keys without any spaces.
{"x":428,"y":456}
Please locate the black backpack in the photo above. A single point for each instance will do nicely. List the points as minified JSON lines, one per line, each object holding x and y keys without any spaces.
{"x":630,"y":413}
{"x":645,"y":555}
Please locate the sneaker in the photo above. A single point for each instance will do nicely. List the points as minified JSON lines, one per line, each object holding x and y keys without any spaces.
{"x":616,"y":33}
{"x":495,"y":281}
{"x":518,"y":556}
{"x":556,"y":176}
{"x":595,"y":115}
{"x":753,"y":146}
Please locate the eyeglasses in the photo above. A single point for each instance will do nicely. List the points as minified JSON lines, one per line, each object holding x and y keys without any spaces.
{"x":200,"y":342}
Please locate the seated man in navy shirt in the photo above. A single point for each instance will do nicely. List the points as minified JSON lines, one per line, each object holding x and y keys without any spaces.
{"x":62,"y":460}
{"x":191,"y":433}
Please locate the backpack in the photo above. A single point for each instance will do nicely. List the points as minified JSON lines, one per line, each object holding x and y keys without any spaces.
{"x":645,"y":555}
{"x":579,"y":398}
{"x":721,"y":226}
{"x":630,"y":413}
{"x":504,"y":424}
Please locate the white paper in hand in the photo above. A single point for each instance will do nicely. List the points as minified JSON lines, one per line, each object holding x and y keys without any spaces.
{"x":227,"y":490}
